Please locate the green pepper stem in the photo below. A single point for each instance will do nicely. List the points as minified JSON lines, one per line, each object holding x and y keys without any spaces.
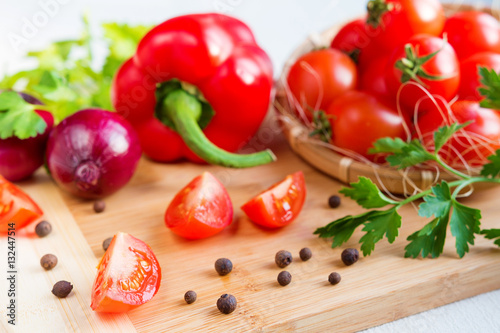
{"x":184,"y":110}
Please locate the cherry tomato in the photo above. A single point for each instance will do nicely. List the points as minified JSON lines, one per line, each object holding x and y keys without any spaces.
{"x":355,"y":39}
{"x":372,"y":77}
{"x":280,"y":204}
{"x":318,"y":77}
{"x":470,"y":78}
{"x":16,"y":206}
{"x":474,"y":143}
{"x":444,"y":65}
{"x":201,"y":209}
{"x":358,"y":119}
{"x":128,"y":276}
{"x":471,"y":32}
{"x":406,"y":19}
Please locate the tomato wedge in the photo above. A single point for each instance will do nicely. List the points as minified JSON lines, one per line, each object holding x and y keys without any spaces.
{"x":128,"y":275}
{"x":16,"y":206}
{"x":201,"y":209}
{"x":280,"y":204}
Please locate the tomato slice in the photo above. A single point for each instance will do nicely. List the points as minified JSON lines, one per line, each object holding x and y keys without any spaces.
{"x":280,"y":204}
{"x":16,"y":206}
{"x":201,"y":209}
{"x":128,"y":276}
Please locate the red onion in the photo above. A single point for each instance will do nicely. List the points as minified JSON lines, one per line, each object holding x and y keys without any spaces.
{"x":93,"y":153}
{"x":19,"y":159}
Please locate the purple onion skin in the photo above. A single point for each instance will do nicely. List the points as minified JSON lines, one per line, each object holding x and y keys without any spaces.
{"x":19,"y":159}
{"x":93,"y":153}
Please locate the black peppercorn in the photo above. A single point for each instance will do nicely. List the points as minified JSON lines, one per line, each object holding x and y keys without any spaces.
{"x":283,"y":258}
{"x":334,"y":201}
{"x":223,"y":266}
{"x":43,"y":228}
{"x":99,"y":206}
{"x":305,"y":254}
{"x":284,"y":278}
{"x":190,"y":296}
{"x":62,"y":289}
{"x":48,"y":261}
{"x":334,"y":278}
{"x":350,"y":256}
{"x":106,"y":243}
{"x":226,"y":303}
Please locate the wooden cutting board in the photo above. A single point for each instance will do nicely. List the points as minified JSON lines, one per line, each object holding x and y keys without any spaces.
{"x":376,"y":290}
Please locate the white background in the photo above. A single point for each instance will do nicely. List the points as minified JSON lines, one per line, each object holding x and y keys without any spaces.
{"x":279,"y":26}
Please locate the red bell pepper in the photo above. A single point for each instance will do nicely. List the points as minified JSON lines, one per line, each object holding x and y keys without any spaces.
{"x":198,"y":87}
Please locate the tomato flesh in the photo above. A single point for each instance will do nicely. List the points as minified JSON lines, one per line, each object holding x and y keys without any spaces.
{"x":128,"y":276}
{"x":280,"y":204}
{"x":16,"y":206}
{"x":201,"y":209}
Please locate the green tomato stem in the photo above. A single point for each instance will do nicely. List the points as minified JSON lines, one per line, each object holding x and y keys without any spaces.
{"x":184,"y":110}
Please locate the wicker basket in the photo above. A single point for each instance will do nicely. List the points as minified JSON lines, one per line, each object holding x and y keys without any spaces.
{"x":338,"y":166}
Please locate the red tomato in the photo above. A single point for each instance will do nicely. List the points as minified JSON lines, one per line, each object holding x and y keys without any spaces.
{"x":318,"y":77}
{"x":16,"y":206}
{"x":372,"y":78}
{"x":128,"y":275}
{"x":474,"y":143}
{"x":470,"y":78}
{"x":201,"y":209}
{"x":280,"y":204}
{"x":358,"y":119}
{"x":443,"y":64}
{"x":355,"y":39}
{"x":406,"y":19}
{"x":471,"y":32}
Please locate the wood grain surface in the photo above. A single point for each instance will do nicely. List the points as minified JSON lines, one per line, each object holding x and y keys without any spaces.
{"x":375,"y":290}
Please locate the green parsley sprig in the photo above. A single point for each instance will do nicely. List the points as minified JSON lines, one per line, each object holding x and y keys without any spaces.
{"x":66,"y":79}
{"x":440,"y":203}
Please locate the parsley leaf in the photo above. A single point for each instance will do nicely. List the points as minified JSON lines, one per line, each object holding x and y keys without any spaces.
{"x":377,"y":223}
{"x":431,"y":238}
{"x":492,"y":234}
{"x":18,"y":117}
{"x":342,"y":229}
{"x":366,"y":194}
{"x":464,"y":223}
{"x":384,"y":223}
{"x":437,"y":205}
{"x":492,"y":169}
{"x":403,"y":154}
{"x":65,"y":77}
{"x":445,"y":133}
{"x":490,"y":88}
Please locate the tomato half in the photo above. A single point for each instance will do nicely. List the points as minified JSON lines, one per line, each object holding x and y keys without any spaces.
{"x":16,"y":206}
{"x":470,"y":78}
{"x":128,"y":276}
{"x":444,"y":66}
{"x":406,"y":19}
{"x":471,"y":32}
{"x":280,"y":204}
{"x":474,"y":143}
{"x":358,"y":119}
{"x":318,"y":77}
{"x":201,"y":209}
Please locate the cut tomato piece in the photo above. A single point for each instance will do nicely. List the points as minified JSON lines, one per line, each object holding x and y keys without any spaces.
{"x":280,"y":204}
{"x":201,"y":209}
{"x":16,"y":206}
{"x":128,"y":275}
